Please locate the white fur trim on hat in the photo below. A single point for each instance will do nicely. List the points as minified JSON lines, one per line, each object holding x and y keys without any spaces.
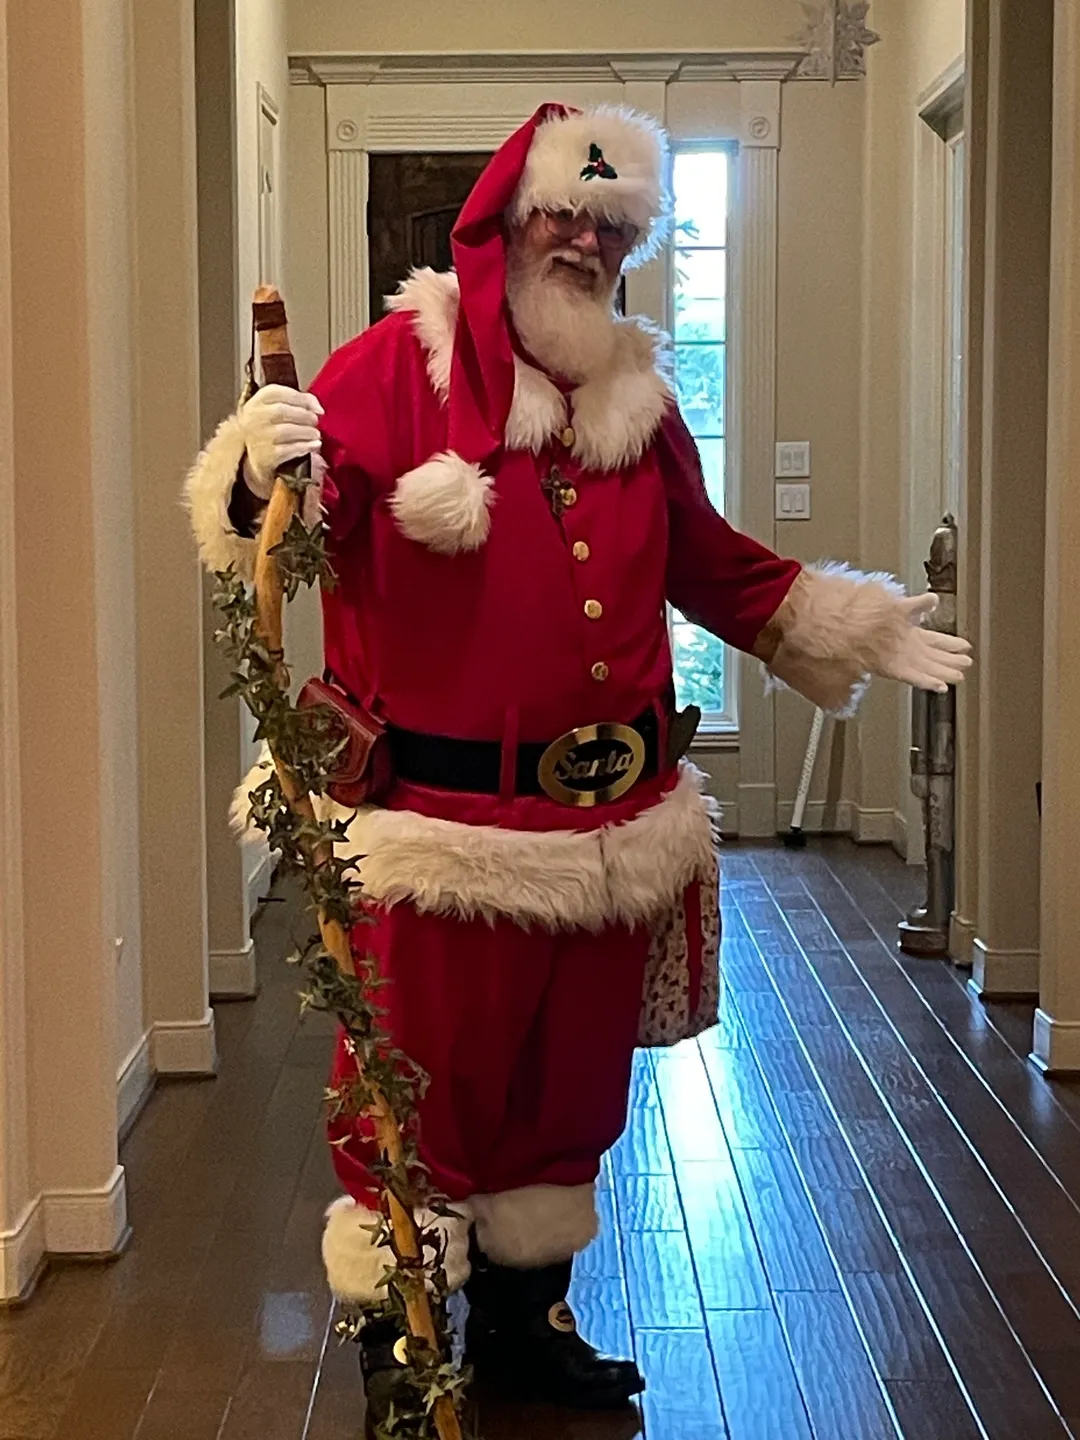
{"x":536,"y":1226}
{"x":356,"y":1267}
{"x":633,"y":145}
{"x":444,"y":504}
{"x":837,"y":626}
{"x":614,"y":417}
{"x":206,"y":494}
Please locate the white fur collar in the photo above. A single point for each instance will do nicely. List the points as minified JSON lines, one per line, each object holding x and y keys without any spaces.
{"x":614,"y":418}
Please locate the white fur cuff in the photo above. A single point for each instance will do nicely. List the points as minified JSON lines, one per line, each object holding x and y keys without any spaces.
{"x":537,"y":1226}
{"x":356,"y":1267}
{"x":444,"y":504}
{"x":837,"y":627}
{"x":206,"y":494}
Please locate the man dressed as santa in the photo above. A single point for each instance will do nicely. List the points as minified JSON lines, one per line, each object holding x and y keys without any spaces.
{"x":512,"y":502}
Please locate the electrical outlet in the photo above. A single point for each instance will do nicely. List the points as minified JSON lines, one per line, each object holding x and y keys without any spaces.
{"x":793,"y":460}
{"x":793,"y":502}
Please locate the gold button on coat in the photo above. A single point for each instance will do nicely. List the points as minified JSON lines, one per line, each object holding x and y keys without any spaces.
{"x":581,"y":551}
{"x":568,"y":437}
{"x":568,"y":497}
{"x":600,"y":671}
{"x":593,"y":609}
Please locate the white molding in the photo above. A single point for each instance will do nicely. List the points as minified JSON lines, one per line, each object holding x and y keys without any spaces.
{"x":900,"y":841}
{"x":757,"y":810}
{"x":185,"y":1047}
{"x":258,"y":883}
{"x":873,"y":826}
{"x":752,"y":441}
{"x":87,"y":1222}
{"x":962,"y":939}
{"x":22,"y":1253}
{"x":331,"y":68}
{"x":1055,"y":1048}
{"x":821,"y":817}
{"x":232,"y":973}
{"x":134,"y":1082}
{"x":759,"y":126}
{"x":349,"y":267}
{"x":998,"y":974}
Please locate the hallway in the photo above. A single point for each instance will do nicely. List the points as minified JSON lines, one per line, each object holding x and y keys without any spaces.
{"x":852,"y":1205}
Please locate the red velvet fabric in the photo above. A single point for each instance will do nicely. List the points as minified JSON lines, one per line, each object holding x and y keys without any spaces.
{"x":528,"y":1038}
{"x":480,"y":644}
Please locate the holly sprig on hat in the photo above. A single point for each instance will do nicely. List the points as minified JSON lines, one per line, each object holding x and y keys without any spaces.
{"x":598,"y":167}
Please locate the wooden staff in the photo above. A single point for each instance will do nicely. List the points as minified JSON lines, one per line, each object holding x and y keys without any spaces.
{"x":279,"y":368}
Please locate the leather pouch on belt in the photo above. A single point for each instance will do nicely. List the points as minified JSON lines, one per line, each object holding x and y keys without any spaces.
{"x":361,"y":772}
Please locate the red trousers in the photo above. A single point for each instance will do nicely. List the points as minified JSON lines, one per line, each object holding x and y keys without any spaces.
{"x":528,"y":1038}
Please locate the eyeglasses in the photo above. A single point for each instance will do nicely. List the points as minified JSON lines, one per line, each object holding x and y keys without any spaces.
{"x":610,"y":234}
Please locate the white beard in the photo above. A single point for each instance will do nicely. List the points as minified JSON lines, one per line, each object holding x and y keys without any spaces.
{"x":567,"y":330}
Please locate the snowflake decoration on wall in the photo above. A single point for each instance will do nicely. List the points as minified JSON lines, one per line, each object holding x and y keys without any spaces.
{"x":836,"y":38}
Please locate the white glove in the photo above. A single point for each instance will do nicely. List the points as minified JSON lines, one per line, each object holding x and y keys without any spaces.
{"x":279,"y":424}
{"x":925,"y":658}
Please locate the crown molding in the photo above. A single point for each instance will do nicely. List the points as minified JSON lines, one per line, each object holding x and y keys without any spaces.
{"x":555,"y":67}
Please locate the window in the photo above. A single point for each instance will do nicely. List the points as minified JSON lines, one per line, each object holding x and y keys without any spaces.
{"x":699,"y":260}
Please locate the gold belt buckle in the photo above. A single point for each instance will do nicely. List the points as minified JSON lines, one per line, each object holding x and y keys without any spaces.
{"x":592,"y":765}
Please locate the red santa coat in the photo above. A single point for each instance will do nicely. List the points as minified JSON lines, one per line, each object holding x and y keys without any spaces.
{"x":514,"y":929}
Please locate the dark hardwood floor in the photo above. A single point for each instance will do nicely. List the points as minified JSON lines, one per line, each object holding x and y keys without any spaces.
{"x":851,"y":1211}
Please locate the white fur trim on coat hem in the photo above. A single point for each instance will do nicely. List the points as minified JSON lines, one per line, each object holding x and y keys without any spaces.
{"x":206,"y":494}
{"x":356,"y":1267}
{"x":540,"y":1225}
{"x":838,"y":626}
{"x":629,"y":873}
{"x":444,"y":504}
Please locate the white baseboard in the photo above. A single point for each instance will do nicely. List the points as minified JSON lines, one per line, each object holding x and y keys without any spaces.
{"x":87,"y":1222}
{"x":260,"y":879}
{"x":133,"y":1084}
{"x":1003,"y":974}
{"x":22,"y":1250}
{"x":757,"y":811}
{"x":232,"y":973}
{"x":900,"y":834}
{"x":1056,"y":1045}
{"x":185,"y":1047}
{"x":873,"y":827}
{"x":962,"y":940}
{"x":819,"y":817}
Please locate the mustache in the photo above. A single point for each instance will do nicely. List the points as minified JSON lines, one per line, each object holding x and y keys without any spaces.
{"x":590,"y":264}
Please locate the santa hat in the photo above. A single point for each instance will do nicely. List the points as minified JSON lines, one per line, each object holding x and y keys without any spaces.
{"x":609,"y":161}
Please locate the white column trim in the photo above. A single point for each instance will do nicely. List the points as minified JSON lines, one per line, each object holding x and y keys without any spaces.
{"x":998,"y":974}
{"x":755,"y":244}
{"x":185,"y":1047}
{"x":232,"y":973}
{"x":1055,"y":1046}
{"x":91,"y":1222}
{"x":22,"y":1253}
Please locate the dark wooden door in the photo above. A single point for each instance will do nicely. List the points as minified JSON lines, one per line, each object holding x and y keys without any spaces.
{"x":414,"y":201}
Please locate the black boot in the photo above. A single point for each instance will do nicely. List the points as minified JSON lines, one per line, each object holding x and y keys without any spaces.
{"x":381,"y":1345}
{"x":521,"y":1339}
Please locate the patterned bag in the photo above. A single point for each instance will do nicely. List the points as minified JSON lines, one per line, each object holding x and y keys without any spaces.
{"x":682,"y":977}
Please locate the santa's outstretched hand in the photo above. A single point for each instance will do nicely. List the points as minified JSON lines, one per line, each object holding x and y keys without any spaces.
{"x":280,"y":424}
{"x":925,"y":658}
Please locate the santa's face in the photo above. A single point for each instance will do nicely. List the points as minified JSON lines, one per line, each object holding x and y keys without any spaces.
{"x":578,"y":252}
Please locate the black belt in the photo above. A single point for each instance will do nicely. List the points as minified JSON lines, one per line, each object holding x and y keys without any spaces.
{"x":475,"y":766}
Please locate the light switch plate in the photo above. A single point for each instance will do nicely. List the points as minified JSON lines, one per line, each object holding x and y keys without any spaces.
{"x":793,"y":460}
{"x":793,"y":502}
